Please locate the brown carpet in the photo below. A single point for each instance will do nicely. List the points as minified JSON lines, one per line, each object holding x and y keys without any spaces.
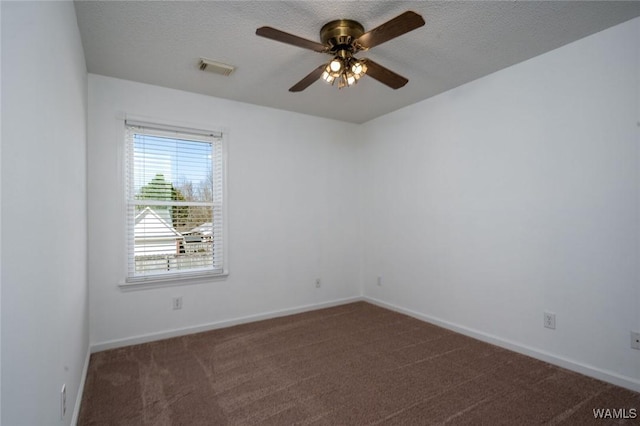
{"x":355,"y":364}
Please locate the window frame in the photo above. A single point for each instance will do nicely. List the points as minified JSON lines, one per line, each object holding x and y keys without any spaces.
{"x":179,"y":277}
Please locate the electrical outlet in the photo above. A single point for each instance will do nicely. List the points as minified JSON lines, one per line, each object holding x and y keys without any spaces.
{"x":380,"y":280}
{"x":550,"y":320}
{"x":63,"y":401}
{"x":177,"y":303}
{"x":318,"y":284}
{"x":635,"y":340}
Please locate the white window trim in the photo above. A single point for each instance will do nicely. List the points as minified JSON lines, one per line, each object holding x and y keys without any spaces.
{"x":179,"y":278}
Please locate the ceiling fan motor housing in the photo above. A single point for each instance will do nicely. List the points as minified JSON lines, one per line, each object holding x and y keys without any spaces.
{"x":341,"y":34}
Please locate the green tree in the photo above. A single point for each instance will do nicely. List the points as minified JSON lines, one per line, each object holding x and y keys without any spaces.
{"x":160,"y":189}
{"x":157,"y":189}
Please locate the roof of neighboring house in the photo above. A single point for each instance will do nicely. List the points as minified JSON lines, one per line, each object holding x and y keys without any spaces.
{"x":149,"y":224}
{"x":204,"y":229}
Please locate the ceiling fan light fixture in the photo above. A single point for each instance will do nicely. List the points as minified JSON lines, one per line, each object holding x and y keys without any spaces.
{"x":328,"y":76}
{"x":346,"y":70}
{"x":358,"y":68}
{"x":336,"y":65}
{"x":351,"y":79}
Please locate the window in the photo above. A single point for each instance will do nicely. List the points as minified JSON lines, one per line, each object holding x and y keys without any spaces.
{"x":175,"y":214}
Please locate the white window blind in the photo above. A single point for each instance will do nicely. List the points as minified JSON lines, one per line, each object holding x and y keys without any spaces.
{"x":174,"y":185}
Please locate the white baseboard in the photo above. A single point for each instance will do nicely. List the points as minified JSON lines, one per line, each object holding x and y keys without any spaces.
{"x":83,"y":378}
{"x":578,"y":367}
{"x":145,"y":338}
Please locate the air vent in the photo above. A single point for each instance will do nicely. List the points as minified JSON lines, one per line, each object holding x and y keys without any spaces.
{"x":215,"y":67}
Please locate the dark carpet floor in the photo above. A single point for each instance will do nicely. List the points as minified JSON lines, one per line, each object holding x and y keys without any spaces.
{"x":356,"y":364}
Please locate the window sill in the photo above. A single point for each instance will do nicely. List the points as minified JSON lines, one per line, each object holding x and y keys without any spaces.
{"x":171,"y":280}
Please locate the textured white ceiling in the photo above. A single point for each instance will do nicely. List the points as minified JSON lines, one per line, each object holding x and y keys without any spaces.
{"x":160,"y":42}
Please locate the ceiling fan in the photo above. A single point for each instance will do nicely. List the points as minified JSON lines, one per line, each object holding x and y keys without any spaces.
{"x":342,"y":39}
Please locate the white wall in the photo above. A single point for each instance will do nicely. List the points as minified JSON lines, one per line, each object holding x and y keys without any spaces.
{"x":45,"y":335}
{"x":515,"y":194}
{"x":0,"y":220}
{"x":292,"y":214}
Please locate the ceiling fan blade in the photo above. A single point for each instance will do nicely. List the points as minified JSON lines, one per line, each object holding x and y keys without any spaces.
{"x":309,"y":79}
{"x":283,"y":37}
{"x":399,"y":25}
{"x":384,"y":75}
